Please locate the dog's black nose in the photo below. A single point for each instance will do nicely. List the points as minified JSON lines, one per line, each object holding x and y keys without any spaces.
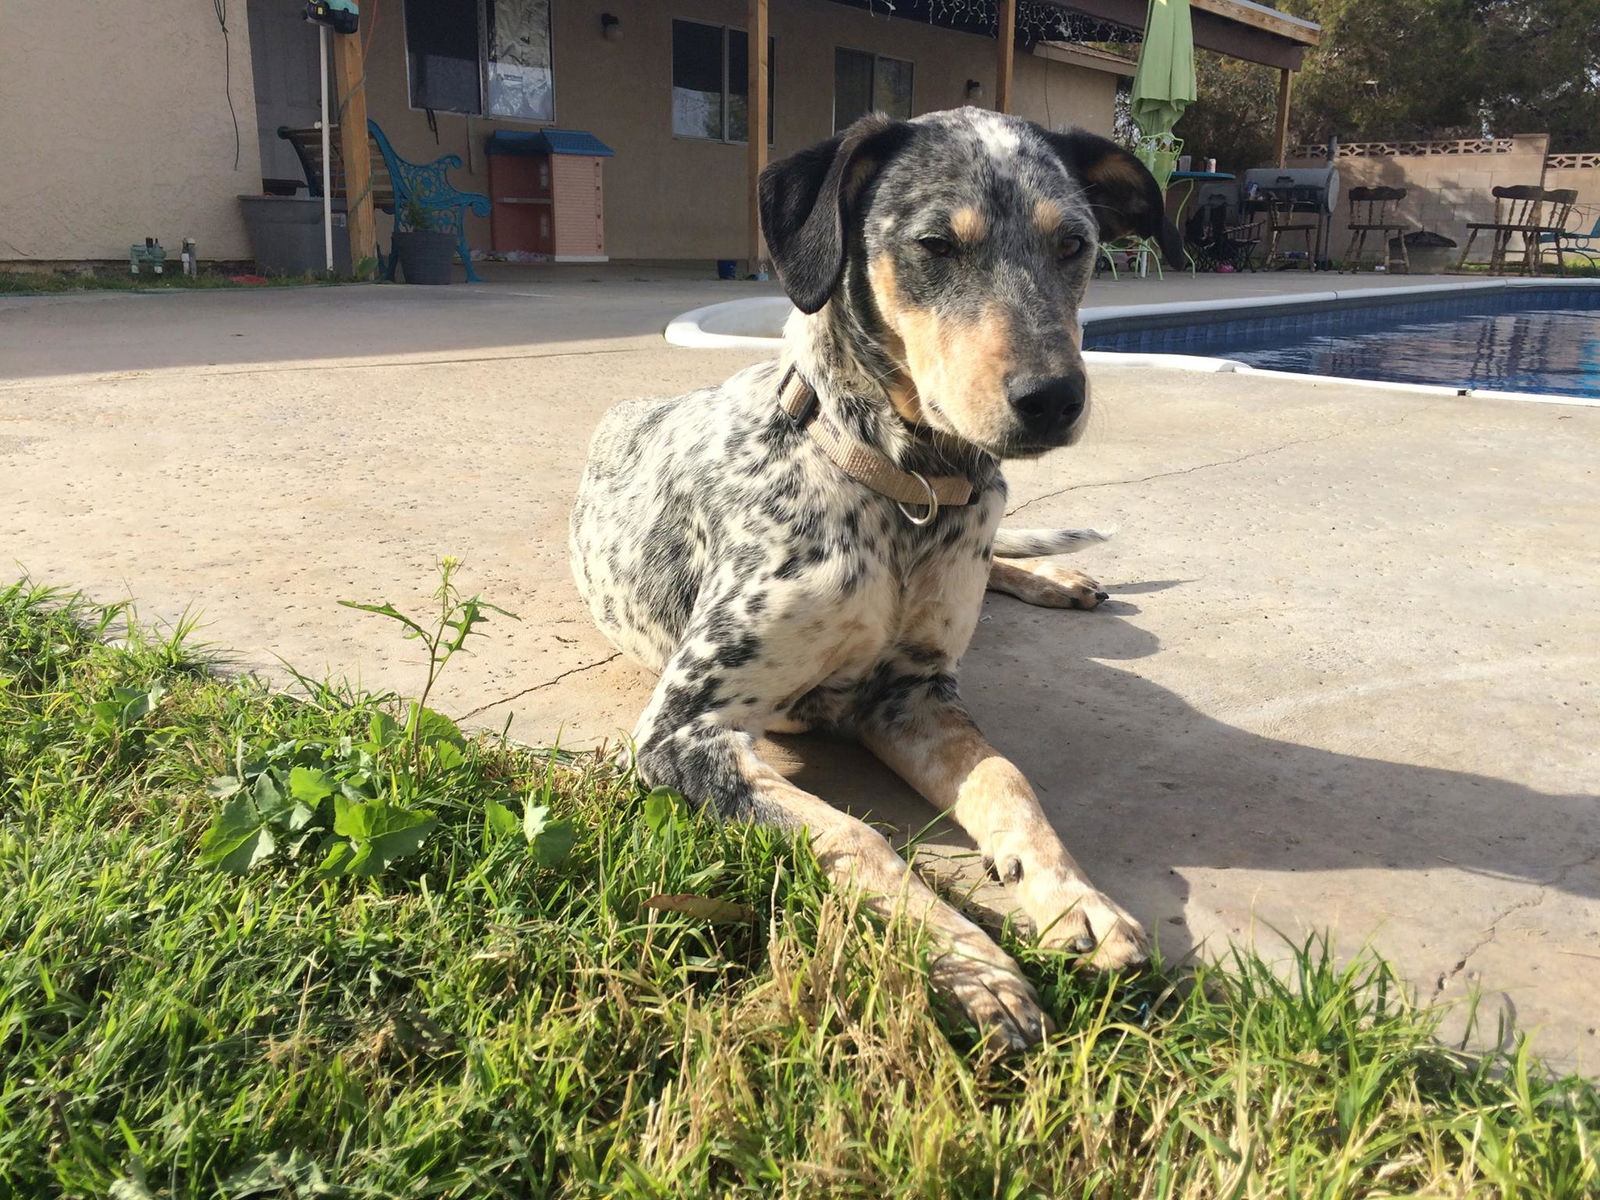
{"x":1047,"y":406}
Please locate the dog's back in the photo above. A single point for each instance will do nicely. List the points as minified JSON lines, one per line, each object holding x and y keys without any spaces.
{"x":648,"y":521}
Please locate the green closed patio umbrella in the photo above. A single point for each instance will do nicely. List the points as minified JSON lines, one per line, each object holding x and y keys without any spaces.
{"x":1163,"y":84}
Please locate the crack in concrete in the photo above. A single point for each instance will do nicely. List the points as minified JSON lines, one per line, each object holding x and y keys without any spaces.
{"x":1221,"y":462}
{"x":1493,"y":928}
{"x":538,"y":687}
{"x":1490,"y":932}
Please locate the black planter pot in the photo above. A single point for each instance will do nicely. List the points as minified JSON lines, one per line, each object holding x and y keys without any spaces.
{"x":425,"y":256}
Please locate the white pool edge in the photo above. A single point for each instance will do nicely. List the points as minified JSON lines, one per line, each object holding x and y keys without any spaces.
{"x":689,"y":331}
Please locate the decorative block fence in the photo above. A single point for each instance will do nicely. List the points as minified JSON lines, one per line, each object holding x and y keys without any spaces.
{"x":1448,"y":181}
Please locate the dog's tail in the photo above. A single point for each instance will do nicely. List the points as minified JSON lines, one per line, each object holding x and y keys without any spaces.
{"x":1034,"y":543}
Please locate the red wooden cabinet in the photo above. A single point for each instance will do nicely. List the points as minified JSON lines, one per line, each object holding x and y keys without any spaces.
{"x":547,"y":194}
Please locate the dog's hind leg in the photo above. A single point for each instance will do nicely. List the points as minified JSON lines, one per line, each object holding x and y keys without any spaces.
{"x":928,"y":739}
{"x":685,"y":741}
{"x":1045,"y":583}
{"x":1034,"y":578}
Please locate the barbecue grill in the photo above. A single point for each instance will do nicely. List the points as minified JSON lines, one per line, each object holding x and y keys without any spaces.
{"x":1310,"y":190}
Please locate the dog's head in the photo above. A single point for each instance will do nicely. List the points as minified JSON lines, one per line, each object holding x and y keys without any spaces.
{"x":961,"y":243}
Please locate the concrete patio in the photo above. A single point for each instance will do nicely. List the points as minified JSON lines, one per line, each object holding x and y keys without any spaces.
{"x":1346,"y":680}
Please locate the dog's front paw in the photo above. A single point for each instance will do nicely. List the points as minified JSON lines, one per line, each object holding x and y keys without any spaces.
{"x":1090,"y":923}
{"x":998,"y":1000}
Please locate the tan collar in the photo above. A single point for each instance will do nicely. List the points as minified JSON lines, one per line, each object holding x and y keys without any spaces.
{"x":864,"y":464}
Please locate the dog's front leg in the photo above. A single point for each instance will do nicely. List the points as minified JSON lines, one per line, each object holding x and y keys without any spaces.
{"x":685,"y":741}
{"x":928,"y":739}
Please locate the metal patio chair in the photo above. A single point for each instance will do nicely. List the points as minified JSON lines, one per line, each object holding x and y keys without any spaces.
{"x":1516,"y":214}
{"x":1559,"y":204}
{"x":1563,"y":241}
{"x":1159,"y":154}
{"x":1377,"y":210}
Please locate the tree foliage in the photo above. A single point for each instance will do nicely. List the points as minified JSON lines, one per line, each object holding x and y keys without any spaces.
{"x":1407,"y":69}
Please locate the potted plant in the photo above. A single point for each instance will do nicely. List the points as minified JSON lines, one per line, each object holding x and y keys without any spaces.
{"x":425,"y":251}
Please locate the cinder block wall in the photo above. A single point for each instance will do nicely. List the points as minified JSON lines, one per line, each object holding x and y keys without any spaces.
{"x":1584,"y":178}
{"x":1445,"y":191}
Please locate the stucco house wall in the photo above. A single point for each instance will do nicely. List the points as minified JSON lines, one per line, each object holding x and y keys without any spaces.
{"x":670,"y":197}
{"x":115,"y":127}
{"x":128,"y":133}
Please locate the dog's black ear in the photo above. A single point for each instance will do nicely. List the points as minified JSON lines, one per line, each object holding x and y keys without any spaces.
{"x":806,"y":197}
{"x":1124,"y":194}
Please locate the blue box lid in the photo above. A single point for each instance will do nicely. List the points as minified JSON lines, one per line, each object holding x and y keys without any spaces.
{"x":546,"y":141}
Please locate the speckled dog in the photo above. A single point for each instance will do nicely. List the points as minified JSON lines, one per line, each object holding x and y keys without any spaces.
{"x":807,"y":545}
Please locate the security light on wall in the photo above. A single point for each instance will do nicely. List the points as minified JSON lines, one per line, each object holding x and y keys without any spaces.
{"x":974,"y":92}
{"x":611,"y":27}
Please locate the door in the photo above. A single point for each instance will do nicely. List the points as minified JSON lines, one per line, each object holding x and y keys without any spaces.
{"x":284,"y":57}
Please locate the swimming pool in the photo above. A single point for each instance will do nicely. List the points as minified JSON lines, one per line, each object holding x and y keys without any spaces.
{"x":1535,"y":339}
{"x":1515,"y":338}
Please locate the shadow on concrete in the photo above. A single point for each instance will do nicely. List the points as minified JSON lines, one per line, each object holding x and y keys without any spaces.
{"x":1142,"y":786}
{"x":529,"y":311}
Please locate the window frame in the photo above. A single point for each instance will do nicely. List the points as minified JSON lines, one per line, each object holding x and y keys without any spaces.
{"x":482,"y":39}
{"x":872,"y":83}
{"x":772,"y":86}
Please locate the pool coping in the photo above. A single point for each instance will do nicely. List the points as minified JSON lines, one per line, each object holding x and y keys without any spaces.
{"x":738,"y":317}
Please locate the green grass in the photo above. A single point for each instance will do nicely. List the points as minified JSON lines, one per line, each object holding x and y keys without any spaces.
{"x":472,"y":1022}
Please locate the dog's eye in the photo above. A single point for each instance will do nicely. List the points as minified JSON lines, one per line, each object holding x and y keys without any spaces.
{"x":1068,"y":249}
{"x":937,"y":246}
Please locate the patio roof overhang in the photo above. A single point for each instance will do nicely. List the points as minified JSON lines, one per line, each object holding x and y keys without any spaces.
{"x":1238,"y":28}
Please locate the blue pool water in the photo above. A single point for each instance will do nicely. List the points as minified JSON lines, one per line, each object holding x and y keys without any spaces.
{"x":1548,"y":350}
{"x":1520,"y":340}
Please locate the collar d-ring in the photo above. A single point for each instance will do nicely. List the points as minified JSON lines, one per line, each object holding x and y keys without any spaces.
{"x":932,"y":506}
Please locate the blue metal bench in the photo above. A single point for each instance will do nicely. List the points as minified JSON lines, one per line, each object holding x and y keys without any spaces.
{"x":395,"y":183}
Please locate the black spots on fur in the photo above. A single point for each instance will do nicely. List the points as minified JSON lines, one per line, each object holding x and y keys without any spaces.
{"x":921,"y":656}
{"x":738,"y":652}
{"x":801,"y":561}
{"x":855,"y":575}
{"x":699,"y":762}
{"x":699,"y":693}
{"x":746,"y":560}
{"x":635,"y":444}
{"x":652,"y":419}
{"x":755,"y":604}
{"x":808,"y":526}
{"x":897,"y":689}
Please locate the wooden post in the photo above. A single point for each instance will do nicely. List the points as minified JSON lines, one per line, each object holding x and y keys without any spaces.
{"x":351,"y":73}
{"x":1280,"y":142}
{"x":1005,"y":51}
{"x":756,"y":109}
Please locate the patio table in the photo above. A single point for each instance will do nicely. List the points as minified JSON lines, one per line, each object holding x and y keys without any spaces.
{"x":1193,"y":179}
